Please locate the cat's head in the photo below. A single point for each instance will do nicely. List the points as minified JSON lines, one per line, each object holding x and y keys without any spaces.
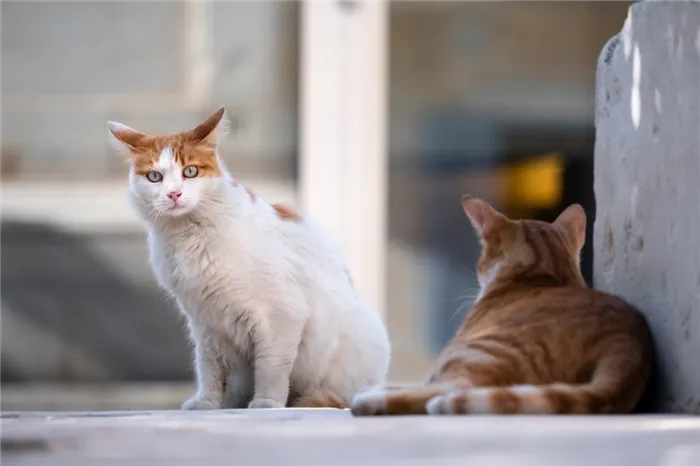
{"x":514,"y":250}
{"x":170,"y":175}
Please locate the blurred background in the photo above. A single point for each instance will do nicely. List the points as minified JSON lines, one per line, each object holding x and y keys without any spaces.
{"x":491,"y":98}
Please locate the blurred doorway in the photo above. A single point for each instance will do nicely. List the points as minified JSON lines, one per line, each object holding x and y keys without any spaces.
{"x":491,"y":98}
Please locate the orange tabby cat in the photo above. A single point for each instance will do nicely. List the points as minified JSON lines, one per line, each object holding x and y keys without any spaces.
{"x":538,"y":340}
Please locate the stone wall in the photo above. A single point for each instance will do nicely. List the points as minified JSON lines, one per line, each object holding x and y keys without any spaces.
{"x":647,"y":167}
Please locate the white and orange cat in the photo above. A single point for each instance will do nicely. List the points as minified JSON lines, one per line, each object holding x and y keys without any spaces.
{"x":267,"y":296}
{"x":538,"y":340}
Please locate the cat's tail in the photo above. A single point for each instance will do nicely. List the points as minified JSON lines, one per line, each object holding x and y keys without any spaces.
{"x":521,"y":399}
{"x":320,"y":398}
{"x":612,"y":390}
{"x":396,"y":400}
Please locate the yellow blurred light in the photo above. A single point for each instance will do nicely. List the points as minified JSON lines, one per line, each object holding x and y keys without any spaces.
{"x":533,"y":183}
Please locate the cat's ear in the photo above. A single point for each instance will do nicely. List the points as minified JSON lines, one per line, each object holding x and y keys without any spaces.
{"x":482,"y":216}
{"x":123,"y":139}
{"x":212,"y":130}
{"x":573,"y":222}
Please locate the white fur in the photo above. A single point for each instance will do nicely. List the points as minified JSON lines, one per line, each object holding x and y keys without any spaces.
{"x":524,"y":390}
{"x":470,"y":355}
{"x":486,"y":279}
{"x":436,"y":405}
{"x":479,"y":402}
{"x":370,"y":402}
{"x":442,"y":404}
{"x":268,"y":302}
{"x":115,"y":143}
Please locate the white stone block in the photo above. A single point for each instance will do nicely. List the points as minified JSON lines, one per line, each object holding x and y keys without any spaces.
{"x":647,"y":172}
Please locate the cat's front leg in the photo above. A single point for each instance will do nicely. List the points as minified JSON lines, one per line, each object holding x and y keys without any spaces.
{"x":239,"y":386}
{"x":211,"y":378}
{"x":275,"y":353}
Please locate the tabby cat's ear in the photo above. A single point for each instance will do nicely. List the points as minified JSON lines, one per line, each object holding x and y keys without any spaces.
{"x":573,"y":222}
{"x":212,"y":130}
{"x":482,"y":216}
{"x":123,"y":139}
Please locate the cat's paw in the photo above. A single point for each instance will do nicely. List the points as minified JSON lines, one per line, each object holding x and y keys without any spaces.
{"x":369,"y":403}
{"x":436,"y":405}
{"x":443,"y":404}
{"x":262,"y":403}
{"x":197,"y":403}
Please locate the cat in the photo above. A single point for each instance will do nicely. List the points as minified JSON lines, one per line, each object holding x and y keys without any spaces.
{"x":266,"y":293}
{"x":538,"y":340}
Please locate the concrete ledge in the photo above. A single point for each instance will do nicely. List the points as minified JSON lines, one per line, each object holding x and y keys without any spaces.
{"x":312,"y":437}
{"x":45,"y":396}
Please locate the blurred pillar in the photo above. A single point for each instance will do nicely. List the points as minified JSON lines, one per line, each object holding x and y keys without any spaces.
{"x":199,"y":60}
{"x":343,"y":153}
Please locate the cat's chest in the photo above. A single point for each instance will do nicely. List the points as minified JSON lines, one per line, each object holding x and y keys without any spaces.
{"x":194,"y":264}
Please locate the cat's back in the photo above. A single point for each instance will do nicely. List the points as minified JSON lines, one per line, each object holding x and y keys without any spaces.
{"x":550,"y":334}
{"x":558,"y":320}
{"x":555,"y":306}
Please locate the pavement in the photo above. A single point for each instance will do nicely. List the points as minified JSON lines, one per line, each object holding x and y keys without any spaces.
{"x":91,"y":396}
{"x":312,"y":437}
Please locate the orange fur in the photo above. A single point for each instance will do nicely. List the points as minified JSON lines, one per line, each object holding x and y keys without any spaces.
{"x":320,"y":399}
{"x":286,"y":213}
{"x":539,"y":341}
{"x":196,"y":147}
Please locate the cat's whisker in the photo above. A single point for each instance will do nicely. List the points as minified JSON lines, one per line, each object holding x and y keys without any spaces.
{"x":157,"y":213}
{"x":469,"y":294}
{"x":459,"y":309}
{"x":206,"y":201}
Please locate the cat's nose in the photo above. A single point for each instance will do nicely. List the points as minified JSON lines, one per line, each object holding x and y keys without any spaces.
{"x":174,"y":195}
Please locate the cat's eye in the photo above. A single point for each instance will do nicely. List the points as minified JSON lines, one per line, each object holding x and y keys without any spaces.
{"x":190,"y":171}
{"x":154,"y":176}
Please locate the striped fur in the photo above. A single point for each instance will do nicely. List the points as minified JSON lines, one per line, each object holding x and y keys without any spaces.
{"x":538,"y":340}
